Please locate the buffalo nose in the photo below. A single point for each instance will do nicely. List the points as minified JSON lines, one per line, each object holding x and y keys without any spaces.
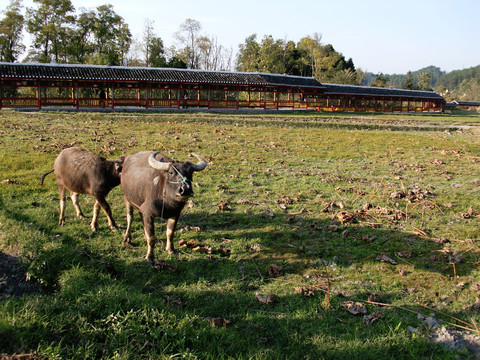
{"x":186,"y":190}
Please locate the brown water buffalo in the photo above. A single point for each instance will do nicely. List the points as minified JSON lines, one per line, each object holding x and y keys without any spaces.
{"x":84,"y":172}
{"x":158,"y":187}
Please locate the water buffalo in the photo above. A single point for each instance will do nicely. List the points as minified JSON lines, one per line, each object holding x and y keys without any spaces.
{"x":158,"y":187}
{"x":84,"y":172}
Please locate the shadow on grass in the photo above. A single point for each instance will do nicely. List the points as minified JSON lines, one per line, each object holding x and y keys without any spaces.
{"x":100,"y":305}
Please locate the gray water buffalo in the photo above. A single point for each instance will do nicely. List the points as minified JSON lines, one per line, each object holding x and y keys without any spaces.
{"x":84,"y":172}
{"x":158,"y":187}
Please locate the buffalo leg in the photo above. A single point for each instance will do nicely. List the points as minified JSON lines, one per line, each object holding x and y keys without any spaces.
{"x":101,"y":202}
{"x":128,"y":237}
{"x":148,"y":227}
{"x":63,"y":200}
{"x":94,"y":222}
{"x":171,"y":224}
{"x":76,"y":205}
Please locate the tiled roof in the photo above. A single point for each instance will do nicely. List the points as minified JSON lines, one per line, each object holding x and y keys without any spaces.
{"x":121,"y":73}
{"x":336,"y":89}
{"x":466,"y":103}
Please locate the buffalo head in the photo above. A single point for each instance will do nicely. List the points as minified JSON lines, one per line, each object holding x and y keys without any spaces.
{"x":178,"y":174}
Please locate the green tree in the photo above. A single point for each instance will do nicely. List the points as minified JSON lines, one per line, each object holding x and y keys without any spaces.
{"x":271,"y":55}
{"x":307,"y":58}
{"x":469,"y":89}
{"x":324,"y":63}
{"x":345,"y":76}
{"x":311,"y":51}
{"x":11,"y":27}
{"x":424,"y":81}
{"x":156,"y":56}
{"x":112,"y":37}
{"x":291,"y":59}
{"x":49,"y":25}
{"x":409,"y":82}
{"x":152,"y":47}
{"x":381,"y":80}
{"x":248,"y":55}
{"x":81,"y":46}
{"x":176,"y":62}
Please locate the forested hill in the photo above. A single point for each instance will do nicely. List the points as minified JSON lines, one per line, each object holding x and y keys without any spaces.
{"x":459,"y":83}
{"x":399,"y":80}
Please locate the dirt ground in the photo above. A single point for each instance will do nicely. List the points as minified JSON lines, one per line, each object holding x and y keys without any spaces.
{"x":13,"y":280}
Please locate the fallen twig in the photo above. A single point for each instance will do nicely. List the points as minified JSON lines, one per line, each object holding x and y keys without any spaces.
{"x":472,"y":327}
{"x":450,"y":316}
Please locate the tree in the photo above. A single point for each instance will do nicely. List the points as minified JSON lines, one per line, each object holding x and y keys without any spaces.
{"x":148,"y":35}
{"x":469,"y":89}
{"x":156,"y":57}
{"x":49,"y":26}
{"x":345,"y":76}
{"x":409,"y":83}
{"x":211,"y":54}
{"x":112,"y":37}
{"x":324,"y":63}
{"x":311,"y":51}
{"x":291,"y":59}
{"x":381,"y":80}
{"x":177,"y":63}
{"x":307,"y":58}
{"x":188,"y":36}
{"x":152,"y":47}
{"x":248,"y":54}
{"x":271,"y":56}
{"x":424,"y":81}
{"x":81,"y":44}
{"x":11,"y":27}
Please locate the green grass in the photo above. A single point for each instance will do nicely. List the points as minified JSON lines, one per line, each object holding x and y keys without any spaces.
{"x":286,"y":182}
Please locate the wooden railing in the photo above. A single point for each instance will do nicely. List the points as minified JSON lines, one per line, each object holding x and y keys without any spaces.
{"x":320,"y":105}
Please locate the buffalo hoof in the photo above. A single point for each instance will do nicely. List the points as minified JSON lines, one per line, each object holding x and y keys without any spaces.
{"x":171,"y":251}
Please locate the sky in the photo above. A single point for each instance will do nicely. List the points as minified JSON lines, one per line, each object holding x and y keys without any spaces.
{"x":381,"y":36}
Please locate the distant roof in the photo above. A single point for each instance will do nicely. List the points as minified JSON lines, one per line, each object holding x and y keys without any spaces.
{"x":466,"y":103}
{"x":122,"y":73}
{"x":336,"y":89}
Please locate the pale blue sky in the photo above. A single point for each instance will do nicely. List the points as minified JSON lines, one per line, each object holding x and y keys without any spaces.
{"x":379,"y":35}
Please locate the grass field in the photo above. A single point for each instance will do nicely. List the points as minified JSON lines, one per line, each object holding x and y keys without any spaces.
{"x":299,"y":221}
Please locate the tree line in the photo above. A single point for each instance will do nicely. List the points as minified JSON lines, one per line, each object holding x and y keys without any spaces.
{"x":100,"y":36}
{"x":454,"y":85}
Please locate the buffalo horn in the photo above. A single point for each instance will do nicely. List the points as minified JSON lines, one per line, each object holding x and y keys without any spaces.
{"x":159,"y":165}
{"x":202,"y":163}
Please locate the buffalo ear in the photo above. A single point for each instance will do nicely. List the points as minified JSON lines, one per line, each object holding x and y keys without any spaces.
{"x":118,"y":164}
{"x":118,"y":168}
